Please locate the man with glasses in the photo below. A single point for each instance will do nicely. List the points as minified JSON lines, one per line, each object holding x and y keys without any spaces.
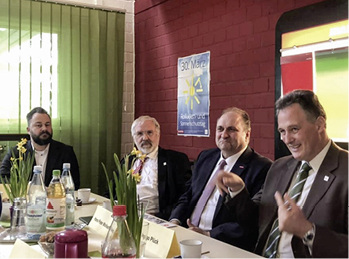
{"x":164,"y":172}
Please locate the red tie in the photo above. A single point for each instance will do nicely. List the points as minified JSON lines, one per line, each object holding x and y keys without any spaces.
{"x":139,"y":168}
{"x":206,"y":195}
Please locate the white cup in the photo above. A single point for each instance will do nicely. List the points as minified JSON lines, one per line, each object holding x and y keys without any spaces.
{"x":84,"y":194}
{"x":107,"y":205}
{"x":5,"y":214}
{"x":190,"y":248}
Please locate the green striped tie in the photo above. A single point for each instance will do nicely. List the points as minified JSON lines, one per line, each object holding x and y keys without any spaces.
{"x":296,"y":191}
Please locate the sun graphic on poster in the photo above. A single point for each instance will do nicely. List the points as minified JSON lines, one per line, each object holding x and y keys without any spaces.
{"x":193,"y":89}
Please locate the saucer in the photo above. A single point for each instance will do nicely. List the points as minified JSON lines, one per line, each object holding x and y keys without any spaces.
{"x":90,"y":201}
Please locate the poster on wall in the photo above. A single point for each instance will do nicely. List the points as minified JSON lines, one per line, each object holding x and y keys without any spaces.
{"x":194,"y":95}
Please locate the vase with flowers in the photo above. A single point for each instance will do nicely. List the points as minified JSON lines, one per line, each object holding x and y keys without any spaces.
{"x":16,"y":186}
{"x":126,"y":180}
{"x":21,"y":168}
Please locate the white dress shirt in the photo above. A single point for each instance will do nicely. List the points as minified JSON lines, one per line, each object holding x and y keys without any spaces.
{"x":147,"y":188}
{"x":41,"y":159}
{"x":209,"y":210}
{"x":285,"y":248}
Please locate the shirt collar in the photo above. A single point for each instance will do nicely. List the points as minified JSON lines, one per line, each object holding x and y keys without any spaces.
{"x":316,"y":162}
{"x":154,"y":153}
{"x":45,"y":151}
{"x":233,"y":158}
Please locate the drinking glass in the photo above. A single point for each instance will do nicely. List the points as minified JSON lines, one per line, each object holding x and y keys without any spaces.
{"x":144,"y":237}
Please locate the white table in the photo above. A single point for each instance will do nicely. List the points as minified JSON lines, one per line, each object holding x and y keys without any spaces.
{"x":216,"y":248}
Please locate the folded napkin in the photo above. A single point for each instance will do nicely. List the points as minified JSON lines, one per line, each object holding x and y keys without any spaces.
{"x":23,"y":250}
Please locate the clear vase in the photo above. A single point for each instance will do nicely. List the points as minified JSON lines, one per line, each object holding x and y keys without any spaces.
{"x":119,"y":242}
{"x":18,"y":214}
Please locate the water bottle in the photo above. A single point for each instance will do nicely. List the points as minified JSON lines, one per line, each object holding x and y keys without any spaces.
{"x":55,"y":203}
{"x":36,"y":212}
{"x":69,"y":187}
{"x":119,"y":242}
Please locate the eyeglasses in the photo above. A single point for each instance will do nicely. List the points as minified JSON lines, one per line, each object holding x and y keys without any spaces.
{"x":140,"y":134}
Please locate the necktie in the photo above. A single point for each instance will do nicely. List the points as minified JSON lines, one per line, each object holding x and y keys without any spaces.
{"x":206,"y":194}
{"x":139,"y":168}
{"x":294,"y":193}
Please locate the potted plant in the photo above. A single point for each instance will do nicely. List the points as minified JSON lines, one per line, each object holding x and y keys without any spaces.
{"x":126,"y":180}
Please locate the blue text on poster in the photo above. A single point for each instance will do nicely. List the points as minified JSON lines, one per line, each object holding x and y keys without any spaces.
{"x":193,"y":95}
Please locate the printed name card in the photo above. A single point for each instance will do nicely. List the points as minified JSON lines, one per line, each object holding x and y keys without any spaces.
{"x":101,"y":221}
{"x":161,"y":242}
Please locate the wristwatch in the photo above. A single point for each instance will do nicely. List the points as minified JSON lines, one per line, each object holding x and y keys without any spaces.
{"x":309,"y":236}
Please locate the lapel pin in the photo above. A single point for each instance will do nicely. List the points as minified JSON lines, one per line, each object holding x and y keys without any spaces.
{"x":164,"y":163}
{"x":326,"y":178}
{"x":241,"y":166}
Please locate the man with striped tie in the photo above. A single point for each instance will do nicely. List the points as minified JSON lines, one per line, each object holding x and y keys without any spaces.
{"x":302,"y":210}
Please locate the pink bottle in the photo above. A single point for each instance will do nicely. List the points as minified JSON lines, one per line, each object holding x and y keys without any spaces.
{"x":71,"y":243}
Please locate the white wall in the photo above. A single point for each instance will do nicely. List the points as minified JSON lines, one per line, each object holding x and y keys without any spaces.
{"x":126,"y":6}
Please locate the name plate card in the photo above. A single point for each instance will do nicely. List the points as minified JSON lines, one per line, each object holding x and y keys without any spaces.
{"x":161,"y":242}
{"x":98,"y":228}
{"x":101,"y":221}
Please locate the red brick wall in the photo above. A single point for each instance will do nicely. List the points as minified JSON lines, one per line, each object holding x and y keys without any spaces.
{"x":240,"y":34}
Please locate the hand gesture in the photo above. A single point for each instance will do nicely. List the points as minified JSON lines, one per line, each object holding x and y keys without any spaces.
{"x":227,"y":180}
{"x":291,"y":217}
{"x":197,"y":229}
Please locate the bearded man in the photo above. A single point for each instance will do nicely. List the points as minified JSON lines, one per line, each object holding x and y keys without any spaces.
{"x":50,"y":154}
{"x":164,"y":172}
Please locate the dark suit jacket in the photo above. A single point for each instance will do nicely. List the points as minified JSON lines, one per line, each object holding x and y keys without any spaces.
{"x":58,"y":154}
{"x":251,"y":167}
{"x":173,"y":173}
{"x":326,"y":205}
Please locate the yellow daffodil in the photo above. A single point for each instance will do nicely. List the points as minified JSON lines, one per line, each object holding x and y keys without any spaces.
{"x":138,"y":154}
{"x":21,"y":168}
{"x":137,"y":177}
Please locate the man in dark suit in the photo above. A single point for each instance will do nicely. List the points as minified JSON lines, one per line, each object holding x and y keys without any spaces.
{"x":50,"y":154}
{"x":314,"y":224}
{"x":164,"y":172}
{"x":232,"y":139}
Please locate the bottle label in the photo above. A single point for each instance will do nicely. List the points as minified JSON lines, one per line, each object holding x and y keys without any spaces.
{"x":55,"y":213}
{"x":35,"y":219}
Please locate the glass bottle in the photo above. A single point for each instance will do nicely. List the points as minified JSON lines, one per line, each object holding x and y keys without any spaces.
{"x":55,"y":204}
{"x":69,"y":187}
{"x":119,"y":242}
{"x":36,"y":212}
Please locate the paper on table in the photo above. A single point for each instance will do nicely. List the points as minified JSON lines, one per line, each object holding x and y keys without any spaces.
{"x":159,"y":221}
{"x":23,"y":250}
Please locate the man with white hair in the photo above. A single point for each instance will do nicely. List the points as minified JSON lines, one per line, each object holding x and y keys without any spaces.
{"x":164,"y":172}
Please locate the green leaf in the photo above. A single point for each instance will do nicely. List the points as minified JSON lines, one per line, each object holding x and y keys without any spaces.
{"x":126,"y":192}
